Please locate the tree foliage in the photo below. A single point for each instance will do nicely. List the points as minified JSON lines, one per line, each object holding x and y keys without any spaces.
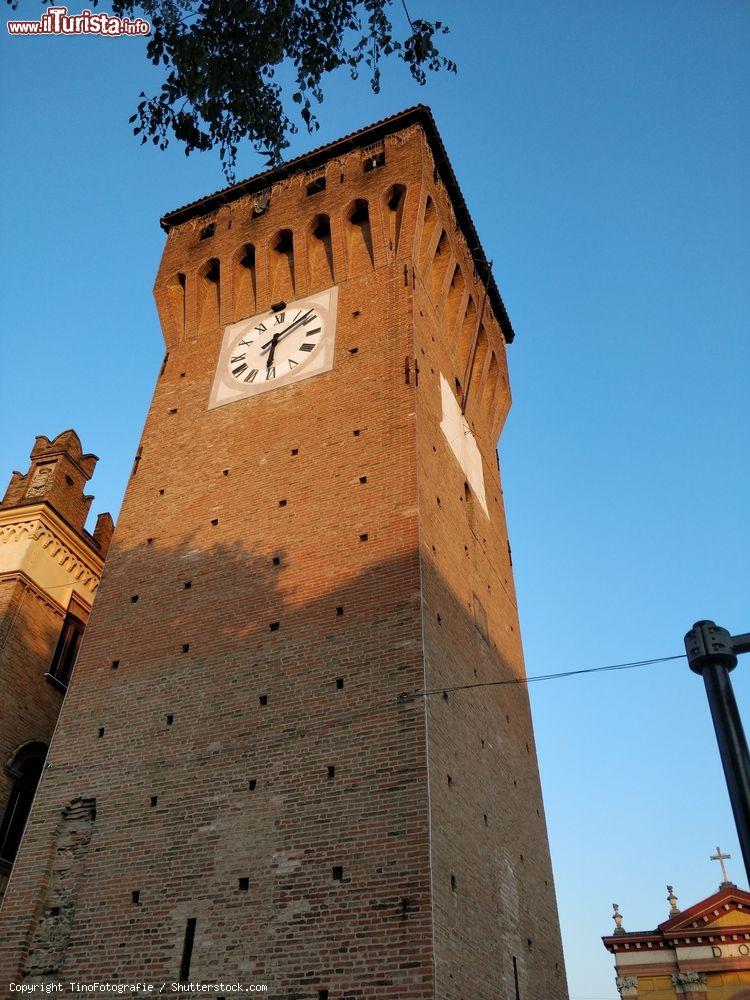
{"x":224,"y":60}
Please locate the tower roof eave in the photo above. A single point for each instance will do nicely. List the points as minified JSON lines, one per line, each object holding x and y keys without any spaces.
{"x":421,"y":114}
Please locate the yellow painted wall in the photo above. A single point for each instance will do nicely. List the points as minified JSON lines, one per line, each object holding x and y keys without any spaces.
{"x":656,"y":988}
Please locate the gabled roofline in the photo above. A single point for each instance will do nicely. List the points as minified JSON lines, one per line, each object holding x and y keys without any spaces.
{"x":419,"y":114}
{"x":681,"y":921}
{"x":680,"y":925}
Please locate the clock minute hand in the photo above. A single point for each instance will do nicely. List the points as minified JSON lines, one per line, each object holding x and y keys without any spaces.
{"x":289,"y":329}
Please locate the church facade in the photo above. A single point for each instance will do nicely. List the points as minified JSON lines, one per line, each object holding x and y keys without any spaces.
{"x":701,"y":953}
{"x":296,"y":752}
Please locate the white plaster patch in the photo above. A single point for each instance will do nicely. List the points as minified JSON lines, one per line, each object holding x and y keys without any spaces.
{"x":461,"y":439}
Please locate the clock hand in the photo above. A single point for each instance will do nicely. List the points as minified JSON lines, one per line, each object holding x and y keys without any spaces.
{"x":272,"y":342}
{"x":289,"y":329}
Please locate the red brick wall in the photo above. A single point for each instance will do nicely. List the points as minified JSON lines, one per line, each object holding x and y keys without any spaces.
{"x":295,"y":927}
{"x":492,"y":880}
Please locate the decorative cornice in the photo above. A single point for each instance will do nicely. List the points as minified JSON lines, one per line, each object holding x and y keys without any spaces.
{"x":39,"y":523}
{"x":41,"y":595}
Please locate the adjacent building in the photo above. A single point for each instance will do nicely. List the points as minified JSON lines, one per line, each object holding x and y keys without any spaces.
{"x":50,"y":568}
{"x":701,"y":953}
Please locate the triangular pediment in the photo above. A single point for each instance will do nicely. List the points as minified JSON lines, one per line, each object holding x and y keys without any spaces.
{"x":729,"y":907}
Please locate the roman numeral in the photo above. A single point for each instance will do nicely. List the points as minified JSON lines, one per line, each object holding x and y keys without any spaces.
{"x":252,"y":376}
{"x":239,"y":370}
{"x":247,"y":343}
{"x":307,"y":347}
{"x":279,"y":317}
{"x":311,"y":333}
{"x":240,"y":357}
{"x":309,"y":318}
{"x":293,"y":364}
{"x":261,"y":328}
{"x":271,"y":373}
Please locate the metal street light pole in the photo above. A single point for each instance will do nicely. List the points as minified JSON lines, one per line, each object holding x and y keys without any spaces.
{"x":712,"y":653}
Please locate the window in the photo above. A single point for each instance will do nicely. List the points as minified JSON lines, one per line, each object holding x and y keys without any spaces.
{"x":25,"y":770}
{"x":67,"y":649}
{"x":319,"y":184}
{"x":373,"y":159}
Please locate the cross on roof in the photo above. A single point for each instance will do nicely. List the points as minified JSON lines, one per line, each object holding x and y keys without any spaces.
{"x":721,"y":858}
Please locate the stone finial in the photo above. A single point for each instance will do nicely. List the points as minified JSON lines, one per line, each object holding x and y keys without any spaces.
{"x":617,"y":917}
{"x":627,"y":986}
{"x":672,"y":900}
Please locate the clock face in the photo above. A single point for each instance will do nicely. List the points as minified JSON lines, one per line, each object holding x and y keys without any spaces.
{"x":275,"y":348}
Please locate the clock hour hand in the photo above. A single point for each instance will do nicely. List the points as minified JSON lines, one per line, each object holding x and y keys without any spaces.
{"x":272,"y":344}
{"x":289,"y":329}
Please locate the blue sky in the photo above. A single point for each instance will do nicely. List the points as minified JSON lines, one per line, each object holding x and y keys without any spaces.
{"x":603,"y":151}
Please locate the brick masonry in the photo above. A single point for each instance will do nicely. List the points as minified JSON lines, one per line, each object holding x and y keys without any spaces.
{"x":329,"y":837}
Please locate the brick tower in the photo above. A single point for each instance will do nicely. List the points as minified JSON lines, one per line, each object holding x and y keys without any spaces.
{"x":247,"y":783}
{"x":49,"y":571}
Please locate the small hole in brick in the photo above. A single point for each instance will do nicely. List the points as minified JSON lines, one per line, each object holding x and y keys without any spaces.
{"x":339,"y":683}
{"x":322,"y":994}
{"x":69,"y":480}
{"x":170,"y":719}
{"x":337,"y":873}
{"x":135,"y":895}
{"x":54,"y":911}
{"x":339,"y":612}
{"x":439,"y":620}
{"x":331,"y":772}
{"x":445,"y":695}
{"x":438,"y":501}
{"x":529,"y":943}
{"x":356,"y":433}
{"x":115,"y":664}
{"x":185,"y":647}
{"x":244,"y":884}
{"x":225,"y":472}
{"x":453,"y":883}
{"x":482,"y":742}
{"x":295,"y":451}
{"x":363,"y":538}
{"x":188,"y":584}
{"x":134,"y":599}
{"x":363,"y":479}
{"x":173,"y":409}
{"x":485,"y":819}
{"x":100,"y":732}
{"x":161,"y":493}
{"x":282,"y":503}
{"x":354,"y":350}
{"x":252,"y":784}
{"x":277,"y":560}
{"x":263,"y":699}
{"x":149,"y":541}
{"x":153,"y":800}
{"x":356,"y":312}
{"x":450,"y":781}
{"x":183,"y":374}
{"x":275,"y":626}
{"x":214,"y":521}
